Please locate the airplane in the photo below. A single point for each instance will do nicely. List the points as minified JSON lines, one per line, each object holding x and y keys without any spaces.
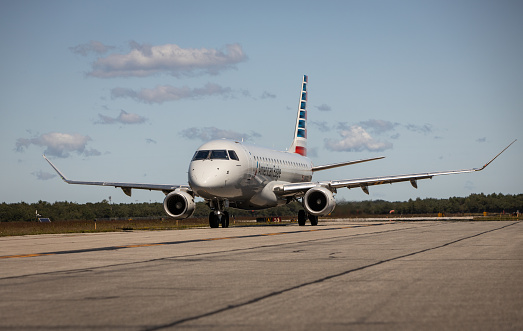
{"x":229,"y":173}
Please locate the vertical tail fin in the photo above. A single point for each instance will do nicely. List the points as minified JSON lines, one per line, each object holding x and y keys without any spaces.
{"x":299,"y":144}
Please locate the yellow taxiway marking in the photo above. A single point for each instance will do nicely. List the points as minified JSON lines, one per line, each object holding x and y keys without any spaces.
{"x":177,"y":242}
{"x":25,"y":255}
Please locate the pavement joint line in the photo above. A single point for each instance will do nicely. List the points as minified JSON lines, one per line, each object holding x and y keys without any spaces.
{"x":112,"y":248}
{"x":317,"y":281}
{"x":214,"y":252}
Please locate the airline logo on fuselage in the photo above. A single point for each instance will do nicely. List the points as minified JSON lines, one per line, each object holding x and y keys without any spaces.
{"x":273,"y":173}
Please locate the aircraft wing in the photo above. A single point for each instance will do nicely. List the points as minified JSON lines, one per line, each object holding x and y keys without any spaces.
{"x":364,"y":183}
{"x":126,"y":187}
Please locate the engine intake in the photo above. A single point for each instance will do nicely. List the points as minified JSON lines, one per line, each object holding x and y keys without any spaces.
{"x":319,"y":201}
{"x":179,"y":204}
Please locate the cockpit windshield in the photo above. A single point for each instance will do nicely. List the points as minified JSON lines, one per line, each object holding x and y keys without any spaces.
{"x":233,"y":155}
{"x":218,"y":154}
{"x":200,"y":155}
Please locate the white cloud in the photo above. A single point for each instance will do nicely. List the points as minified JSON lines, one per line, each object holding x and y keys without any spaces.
{"x":42,"y":175}
{"x":268,"y":95}
{"x":355,"y":139}
{"x":58,"y":144}
{"x":322,"y":126}
{"x":378,"y":126}
{"x":91,"y":47}
{"x":150,"y":141}
{"x":425,"y":128}
{"x":323,"y":107}
{"x":361,"y":136}
{"x":123,"y":118}
{"x":211,"y":133}
{"x":163,"y":93}
{"x":146,"y":60}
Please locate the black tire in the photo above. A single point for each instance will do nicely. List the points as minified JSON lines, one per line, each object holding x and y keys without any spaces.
{"x":225,"y":219}
{"x":302,"y":218}
{"x":313,"y":219}
{"x":214,"y":222}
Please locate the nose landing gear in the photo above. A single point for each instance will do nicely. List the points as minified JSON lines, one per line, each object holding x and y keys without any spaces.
{"x":217,"y":217}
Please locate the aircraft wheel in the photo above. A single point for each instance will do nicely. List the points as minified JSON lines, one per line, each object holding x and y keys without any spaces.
{"x":313,"y":219}
{"x":225,"y":219}
{"x":302,"y":218}
{"x":214,"y":222}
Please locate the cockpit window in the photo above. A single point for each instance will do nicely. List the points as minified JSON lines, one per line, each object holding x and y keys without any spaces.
{"x":233,"y":155}
{"x":201,"y":155}
{"x":219,"y":154}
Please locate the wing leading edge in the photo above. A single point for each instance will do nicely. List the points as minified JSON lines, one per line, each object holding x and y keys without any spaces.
{"x":364,"y":183}
{"x":126,"y":187}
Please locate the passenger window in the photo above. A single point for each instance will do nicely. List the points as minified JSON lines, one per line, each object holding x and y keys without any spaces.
{"x":220,"y":154}
{"x":200,"y":155}
{"x":233,"y":155}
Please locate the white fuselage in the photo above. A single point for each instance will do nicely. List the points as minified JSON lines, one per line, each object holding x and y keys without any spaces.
{"x":244,"y":175}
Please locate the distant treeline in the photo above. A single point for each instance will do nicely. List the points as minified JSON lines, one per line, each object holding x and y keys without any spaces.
{"x":58,"y":211}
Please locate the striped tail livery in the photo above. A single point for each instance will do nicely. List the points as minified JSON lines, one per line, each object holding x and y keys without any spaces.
{"x":299,"y":143}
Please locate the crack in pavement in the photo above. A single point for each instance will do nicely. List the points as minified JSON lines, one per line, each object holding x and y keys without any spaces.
{"x":317,"y":281}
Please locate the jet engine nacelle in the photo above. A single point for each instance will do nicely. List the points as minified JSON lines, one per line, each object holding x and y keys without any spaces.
{"x":179,"y":204}
{"x":319,"y":201}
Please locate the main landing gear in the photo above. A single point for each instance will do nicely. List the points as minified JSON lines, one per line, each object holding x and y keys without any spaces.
{"x":219,"y":217}
{"x":302,"y":218}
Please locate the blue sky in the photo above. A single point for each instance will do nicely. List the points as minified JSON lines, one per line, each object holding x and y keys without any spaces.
{"x":127,"y":90}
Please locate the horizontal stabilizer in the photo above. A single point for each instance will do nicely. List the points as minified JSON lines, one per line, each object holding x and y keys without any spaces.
{"x":342,"y":164}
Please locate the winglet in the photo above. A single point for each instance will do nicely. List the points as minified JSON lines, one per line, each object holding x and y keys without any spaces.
{"x":495,"y":157}
{"x":56,"y":169}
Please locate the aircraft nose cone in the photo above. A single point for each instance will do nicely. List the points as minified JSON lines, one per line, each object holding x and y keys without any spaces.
{"x":205,"y":180}
{"x":197,"y":179}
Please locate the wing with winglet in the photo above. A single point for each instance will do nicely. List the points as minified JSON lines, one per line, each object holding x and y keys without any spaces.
{"x":364,"y":183}
{"x":126,"y":187}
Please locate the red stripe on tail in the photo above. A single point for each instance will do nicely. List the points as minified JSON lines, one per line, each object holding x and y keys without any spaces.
{"x":301,"y":150}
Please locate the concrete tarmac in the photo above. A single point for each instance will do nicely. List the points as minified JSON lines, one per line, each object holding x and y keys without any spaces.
{"x":342,"y":275}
